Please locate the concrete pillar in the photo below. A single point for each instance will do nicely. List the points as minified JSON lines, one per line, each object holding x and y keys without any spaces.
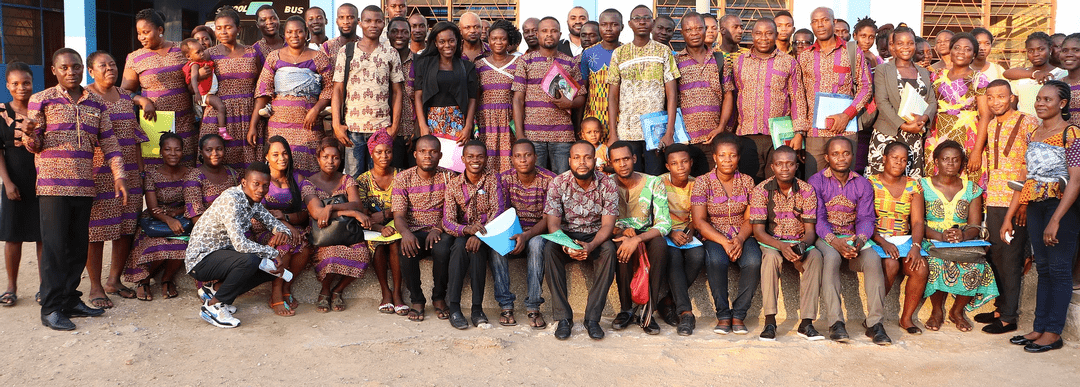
{"x":703,"y":6}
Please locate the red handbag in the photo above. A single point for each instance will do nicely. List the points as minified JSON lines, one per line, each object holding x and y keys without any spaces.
{"x":639,"y":286}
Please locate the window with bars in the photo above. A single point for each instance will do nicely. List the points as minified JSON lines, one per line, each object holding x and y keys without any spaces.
{"x":747,"y":10}
{"x":451,"y":10}
{"x":1011,"y":21}
{"x":25,"y":37}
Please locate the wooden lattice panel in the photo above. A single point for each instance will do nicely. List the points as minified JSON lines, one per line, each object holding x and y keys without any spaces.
{"x":451,"y":10}
{"x":747,"y":10}
{"x":1011,"y":21}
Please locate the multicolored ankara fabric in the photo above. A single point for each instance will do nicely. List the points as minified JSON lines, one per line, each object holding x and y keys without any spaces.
{"x":528,"y":200}
{"x":64,"y":141}
{"x":236,"y":88}
{"x":1046,"y":163}
{"x":958,"y":113}
{"x":641,"y":73}
{"x":678,"y":202}
{"x":783,"y":214}
{"x":1004,"y":167}
{"x":767,"y":88}
{"x":644,"y":206}
{"x":726,"y":210}
{"x":594,"y":70}
{"x":380,"y":137}
{"x":496,"y":111}
{"x":466,"y":203}
{"x":420,"y":199}
{"x":581,"y":210}
{"x":701,"y":94}
{"x":200,"y":192}
{"x":831,"y":72}
{"x":224,"y":224}
{"x":844,"y":207}
{"x":962,"y":279}
{"x":544,"y":122}
{"x":351,"y":261}
{"x":894,"y":212}
{"x":161,"y":78}
{"x":110,"y":217}
{"x":367,"y":105}
{"x":408,"y":126}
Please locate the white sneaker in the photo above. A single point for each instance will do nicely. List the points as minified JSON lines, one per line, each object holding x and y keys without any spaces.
{"x":218,"y":315}
{"x":206,"y":293}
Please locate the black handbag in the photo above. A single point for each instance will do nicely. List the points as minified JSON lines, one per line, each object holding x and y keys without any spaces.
{"x":340,"y":231}
{"x":157,"y":229}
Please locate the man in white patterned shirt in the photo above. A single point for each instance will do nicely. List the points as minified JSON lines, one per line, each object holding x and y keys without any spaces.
{"x":219,"y":250}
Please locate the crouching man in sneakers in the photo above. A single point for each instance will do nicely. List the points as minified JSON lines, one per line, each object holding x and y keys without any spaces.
{"x":219,"y":250}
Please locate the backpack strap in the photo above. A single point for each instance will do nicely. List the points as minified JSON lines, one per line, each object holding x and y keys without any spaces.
{"x":721,"y":61}
{"x":350,"y":49}
{"x":1012,"y":136}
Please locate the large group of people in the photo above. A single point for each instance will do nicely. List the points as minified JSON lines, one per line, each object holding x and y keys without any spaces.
{"x":300,"y":130}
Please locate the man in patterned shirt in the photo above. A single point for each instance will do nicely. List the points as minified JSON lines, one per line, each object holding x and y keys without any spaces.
{"x":583,"y":204}
{"x":767,"y":78}
{"x":347,"y":18}
{"x":417,"y":201}
{"x":473,"y":199}
{"x":846,"y":219}
{"x":546,"y":120}
{"x":399,"y":39}
{"x":220,"y":251}
{"x":315,"y":18}
{"x":643,"y":218}
{"x":783,"y":211}
{"x":641,"y":80}
{"x":827,"y":68}
{"x":594,"y":66}
{"x":702,"y":92}
{"x":374,"y":92}
{"x":527,"y":185}
{"x":66,"y":123}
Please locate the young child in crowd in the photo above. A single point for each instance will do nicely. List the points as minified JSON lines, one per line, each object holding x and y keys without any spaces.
{"x":592,"y":132}
{"x":199,"y":74}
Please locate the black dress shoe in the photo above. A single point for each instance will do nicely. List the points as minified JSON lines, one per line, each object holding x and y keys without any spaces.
{"x":82,"y":310}
{"x":687,"y":323}
{"x":594,"y":329}
{"x":1020,"y":340}
{"x":457,"y":320}
{"x":769,"y":333}
{"x":838,"y":332}
{"x":621,"y":321}
{"x":652,"y":327}
{"x":57,"y":321}
{"x":997,"y":328}
{"x":985,"y":318}
{"x":877,"y":333}
{"x":671,"y":317}
{"x":1036,"y":348}
{"x":562,"y":330}
{"x":478,"y":317}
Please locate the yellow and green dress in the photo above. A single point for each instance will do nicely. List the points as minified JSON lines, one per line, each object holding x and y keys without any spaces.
{"x":960,"y":279}
{"x":958,"y":114}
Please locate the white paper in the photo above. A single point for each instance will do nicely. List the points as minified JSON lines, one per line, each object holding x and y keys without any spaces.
{"x":911,"y":103}
{"x":451,"y":155}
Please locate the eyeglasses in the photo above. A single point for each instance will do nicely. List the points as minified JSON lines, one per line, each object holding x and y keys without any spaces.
{"x":806,"y":42}
{"x":640,"y":18}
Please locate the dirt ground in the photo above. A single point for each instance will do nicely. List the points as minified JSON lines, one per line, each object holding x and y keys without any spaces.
{"x":165,"y":343}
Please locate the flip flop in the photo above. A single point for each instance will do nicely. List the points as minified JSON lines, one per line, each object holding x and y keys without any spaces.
{"x":416,"y":315}
{"x":387,"y":308}
{"x":123,"y":292}
{"x":287,"y":308}
{"x":101,"y":303}
{"x":442,"y":313}
{"x":172,"y":287}
{"x":401,"y":310}
{"x":147,"y":296}
{"x":8,"y":299}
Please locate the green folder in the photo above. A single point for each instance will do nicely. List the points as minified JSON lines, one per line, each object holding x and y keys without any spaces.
{"x":561,"y":238}
{"x":781,"y":129}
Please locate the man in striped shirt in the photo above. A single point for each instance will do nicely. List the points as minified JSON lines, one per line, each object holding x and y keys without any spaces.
{"x":66,"y":123}
{"x":528,"y":185}
{"x":705,"y":96}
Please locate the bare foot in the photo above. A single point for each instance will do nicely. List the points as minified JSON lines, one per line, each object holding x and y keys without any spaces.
{"x":960,"y":319}
{"x":934,"y":322}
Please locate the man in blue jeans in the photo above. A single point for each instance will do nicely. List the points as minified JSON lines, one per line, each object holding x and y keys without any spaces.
{"x":527,"y":185}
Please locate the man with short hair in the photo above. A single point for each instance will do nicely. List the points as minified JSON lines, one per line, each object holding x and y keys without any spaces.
{"x":220,"y":251}
{"x":801,"y":41}
{"x":641,"y":80}
{"x":590,"y":34}
{"x":527,"y":186}
{"x":372,"y":96}
{"x":529,"y":29}
{"x":594,"y":66}
{"x":783,"y":211}
{"x":471,"y":46}
{"x":417,"y":200}
{"x":418,"y":25}
{"x":395,"y":8}
{"x":663,"y":30}
{"x":65,"y":123}
{"x":941,"y":46}
{"x":705,"y":96}
{"x":842,"y":30}
{"x":731,"y":32}
{"x":547,"y":121}
{"x":712,"y":30}
{"x":574,"y":20}
{"x":347,"y":19}
{"x":785,"y":28}
{"x":316,"y":25}
{"x":473,"y":199}
{"x":845,"y":222}
{"x":583,"y":204}
{"x":767,"y":79}
{"x":399,"y":32}
{"x":830,"y":67}
{"x":485,"y":25}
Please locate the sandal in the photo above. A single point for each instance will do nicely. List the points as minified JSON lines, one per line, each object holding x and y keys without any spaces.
{"x":168,"y":289}
{"x":8,"y":299}
{"x":102,"y":303}
{"x":506,"y":318}
{"x":401,"y":310}
{"x":537,"y":319}
{"x":323,"y":304}
{"x":387,"y":308}
{"x":442,"y":313}
{"x":123,"y":292}
{"x":288,"y":298}
{"x":145,"y":287}
{"x":337,"y":302}
{"x":286,"y":313}
{"x":416,"y":315}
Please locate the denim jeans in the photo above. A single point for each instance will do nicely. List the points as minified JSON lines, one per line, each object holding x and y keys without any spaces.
{"x":357,"y":159}
{"x":558,"y":153}
{"x":716,"y":267}
{"x":684,"y":268}
{"x":500,"y":273}
{"x":1053,"y":263}
{"x":534,"y":261}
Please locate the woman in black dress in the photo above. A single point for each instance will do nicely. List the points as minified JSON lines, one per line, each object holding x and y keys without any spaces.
{"x":19,"y":203}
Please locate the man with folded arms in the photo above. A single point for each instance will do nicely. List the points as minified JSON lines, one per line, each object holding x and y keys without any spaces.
{"x":584,"y":204}
{"x":783,"y":210}
{"x":527,"y":186}
{"x":846,"y":221}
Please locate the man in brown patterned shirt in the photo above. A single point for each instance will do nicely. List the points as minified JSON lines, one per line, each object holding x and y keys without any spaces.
{"x":417,"y":201}
{"x":583,"y":204}
{"x":399,"y":33}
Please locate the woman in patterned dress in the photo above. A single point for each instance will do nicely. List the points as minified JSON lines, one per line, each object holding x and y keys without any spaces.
{"x":285,"y":202}
{"x":963,"y":113}
{"x":496,"y":73}
{"x":164,"y":190}
{"x":954,"y":213}
{"x":335,"y":266}
{"x":19,"y":221}
{"x":297,"y":79}
{"x":110,"y":218}
{"x":237,"y":68}
{"x":157,"y":70}
{"x":898,"y":202}
{"x":206,"y":182}
{"x":889,"y":126}
{"x":446,"y":86}
{"x":376,"y":202}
